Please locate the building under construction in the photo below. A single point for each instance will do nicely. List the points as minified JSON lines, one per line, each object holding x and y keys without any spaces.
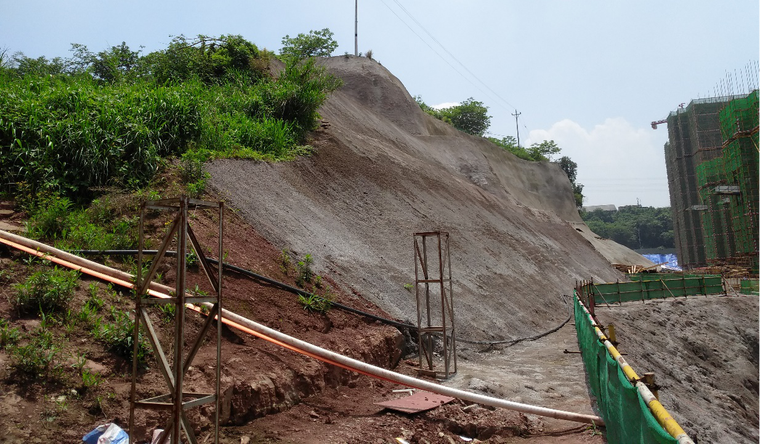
{"x":712,"y":166}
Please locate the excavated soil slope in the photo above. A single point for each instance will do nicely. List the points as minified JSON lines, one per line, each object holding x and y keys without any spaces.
{"x":704,"y":353}
{"x":384,"y":170}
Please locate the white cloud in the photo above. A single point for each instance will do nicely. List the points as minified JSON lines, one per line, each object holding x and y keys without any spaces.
{"x":617,"y":163}
{"x":445,"y":105}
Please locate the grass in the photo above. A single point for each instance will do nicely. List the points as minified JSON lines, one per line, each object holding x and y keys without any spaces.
{"x":37,"y":355}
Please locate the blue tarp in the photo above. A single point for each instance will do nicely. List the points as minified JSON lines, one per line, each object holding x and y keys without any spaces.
{"x":670,"y":261}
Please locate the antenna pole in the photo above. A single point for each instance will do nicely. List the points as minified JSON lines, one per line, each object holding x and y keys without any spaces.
{"x":356,"y":28}
{"x":517,"y":126}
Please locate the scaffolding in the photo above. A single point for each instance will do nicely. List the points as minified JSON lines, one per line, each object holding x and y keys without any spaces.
{"x":712,"y":166}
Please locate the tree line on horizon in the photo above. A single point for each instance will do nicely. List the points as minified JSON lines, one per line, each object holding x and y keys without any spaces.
{"x":634,"y":226}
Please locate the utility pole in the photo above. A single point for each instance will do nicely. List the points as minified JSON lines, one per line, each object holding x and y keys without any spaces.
{"x":356,"y":28}
{"x":517,"y":126}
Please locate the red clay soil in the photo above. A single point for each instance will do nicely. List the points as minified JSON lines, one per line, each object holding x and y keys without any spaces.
{"x":271,"y":394}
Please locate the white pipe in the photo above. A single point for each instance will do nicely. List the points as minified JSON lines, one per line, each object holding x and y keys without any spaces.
{"x":322,"y":353}
{"x":407,"y":380}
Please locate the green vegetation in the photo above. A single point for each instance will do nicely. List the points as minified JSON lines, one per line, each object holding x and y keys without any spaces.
{"x":571,"y":169}
{"x":304,"y":272}
{"x":69,"y":127}
{"x":8,"y":335}
{"x":634,"y":226}
{"x":469,"y":116}
{"x":37,"y":356}
{"x":315,"y":44}
{"x":537,"y":152}
{"x":316,"y":303}
{"x":45,"y":291}
{"x":118,"y":335}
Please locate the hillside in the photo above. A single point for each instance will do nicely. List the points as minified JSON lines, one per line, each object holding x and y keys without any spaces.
{"x":384,"y":170}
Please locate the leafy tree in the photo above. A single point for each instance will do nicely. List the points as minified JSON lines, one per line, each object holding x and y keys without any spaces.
{"x":314,"y":44}
{"x":470,"y":117}
{"x":544,"y":150}
{"x":116,"y":63}
{"x":210,"y":59}
{"x":571,"y":169}
{"x":27,"y":66}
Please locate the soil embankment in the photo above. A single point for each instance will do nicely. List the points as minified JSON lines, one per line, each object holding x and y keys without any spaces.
{"x":384,"y":170}
{"x":704,"y":353}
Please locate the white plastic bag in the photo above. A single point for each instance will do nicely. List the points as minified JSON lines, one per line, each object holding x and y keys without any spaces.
{"x":106,"y":434}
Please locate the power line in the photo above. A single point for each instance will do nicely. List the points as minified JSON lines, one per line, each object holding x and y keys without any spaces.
{"x":428,"y":45}
{"x":492,"y":92}
{"x":450,"y":54}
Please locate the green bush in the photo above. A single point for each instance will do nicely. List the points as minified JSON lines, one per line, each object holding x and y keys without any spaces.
{"x":109,"y":119}
{"x":45,"y":291}
{"x":118,"y":336}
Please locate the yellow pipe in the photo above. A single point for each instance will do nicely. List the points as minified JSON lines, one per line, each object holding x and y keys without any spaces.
{"x":658,"y":410}
{"x":663,"y":417}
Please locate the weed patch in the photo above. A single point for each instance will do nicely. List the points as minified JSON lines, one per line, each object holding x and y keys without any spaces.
{"x":45,"y":291}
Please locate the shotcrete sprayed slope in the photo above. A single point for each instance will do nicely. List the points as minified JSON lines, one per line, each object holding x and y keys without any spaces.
{"x":383,"y":170}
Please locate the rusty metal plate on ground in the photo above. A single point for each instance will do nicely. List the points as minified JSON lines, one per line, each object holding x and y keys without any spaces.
{"x":418,"y":402}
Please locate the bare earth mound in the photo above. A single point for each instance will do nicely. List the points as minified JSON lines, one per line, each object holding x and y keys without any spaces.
{"x":704,"y":353}
{"x":383,"y":170}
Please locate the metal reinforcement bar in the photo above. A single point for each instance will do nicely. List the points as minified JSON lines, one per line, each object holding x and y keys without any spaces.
{"x":253,"y":328}
{"x":658,"y":411}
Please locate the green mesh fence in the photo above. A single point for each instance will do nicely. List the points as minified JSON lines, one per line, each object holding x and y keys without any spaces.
{"x":626,"y":416}
{"x":654,"y":286}
{"x":750,"y":286}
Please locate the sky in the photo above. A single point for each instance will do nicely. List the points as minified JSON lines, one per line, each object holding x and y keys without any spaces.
{"x":590,"y":75}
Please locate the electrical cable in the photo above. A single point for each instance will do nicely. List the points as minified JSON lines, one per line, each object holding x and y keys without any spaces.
{"x":450,"y":54}
{"x":298,"y":291}
{"x":447,"y":51}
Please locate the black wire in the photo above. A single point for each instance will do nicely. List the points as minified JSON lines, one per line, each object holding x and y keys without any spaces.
{"x":298,"y":291}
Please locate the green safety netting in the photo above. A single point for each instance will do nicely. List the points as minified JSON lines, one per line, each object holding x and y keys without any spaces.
{"x":627,"y":417}
{"x":750,"y":286}
{"x":656,"y":287}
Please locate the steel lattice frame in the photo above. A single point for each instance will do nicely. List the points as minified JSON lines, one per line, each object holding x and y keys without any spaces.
{"x":177,"y":400}
{"x":434,"y":321}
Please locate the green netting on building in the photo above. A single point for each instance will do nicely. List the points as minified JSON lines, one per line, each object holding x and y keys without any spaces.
{"x":739,"y":129}
{"x":655,"y":286}
{"x":627,"y":417}
{"x":739,"y":115}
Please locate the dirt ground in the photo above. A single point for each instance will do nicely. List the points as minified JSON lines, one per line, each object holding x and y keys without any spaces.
{"x":704,"y":353}
{"x":271,"y":395}
{"x":383,"y":170}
